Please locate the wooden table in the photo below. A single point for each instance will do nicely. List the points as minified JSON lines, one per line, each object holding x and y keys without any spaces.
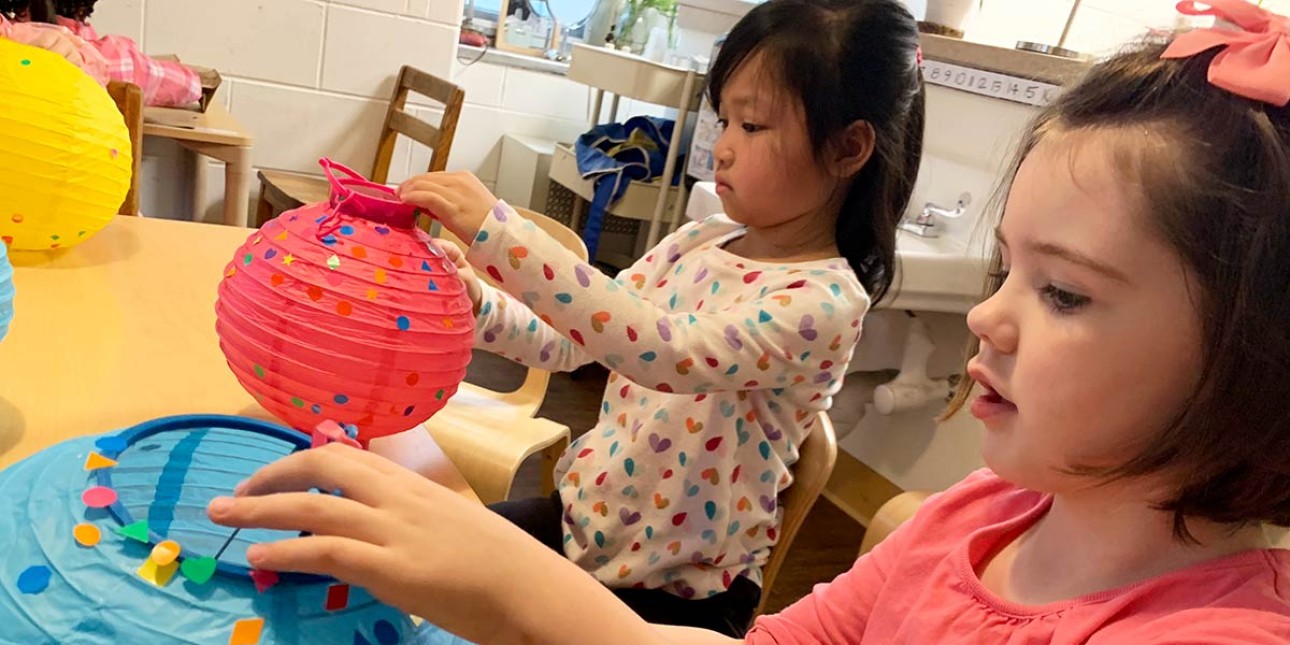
{"x":219,"y":136}
{"x":121,"y":329}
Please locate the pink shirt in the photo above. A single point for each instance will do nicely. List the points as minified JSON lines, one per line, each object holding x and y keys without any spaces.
{"x":86,"y":56}
{"x":164,"y":83}
{"x":920,"y":586}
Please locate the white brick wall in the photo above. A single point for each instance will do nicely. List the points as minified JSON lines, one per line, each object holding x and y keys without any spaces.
{"x":310,"y":78}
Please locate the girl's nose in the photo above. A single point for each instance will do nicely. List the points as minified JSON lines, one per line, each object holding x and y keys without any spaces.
{"x":993,"y":323}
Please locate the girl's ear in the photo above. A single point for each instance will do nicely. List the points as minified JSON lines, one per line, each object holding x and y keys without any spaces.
{"x":853,"y":148}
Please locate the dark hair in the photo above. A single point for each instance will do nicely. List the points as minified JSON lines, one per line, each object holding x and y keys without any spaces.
{"x":1217,"y":190}
{"x":32,"y":10}
{"x":78,"y":10}
{"x":847,"y":61}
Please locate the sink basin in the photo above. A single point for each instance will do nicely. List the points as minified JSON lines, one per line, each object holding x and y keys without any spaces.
{"x":936,"y":274}
{"x":933,"y":274}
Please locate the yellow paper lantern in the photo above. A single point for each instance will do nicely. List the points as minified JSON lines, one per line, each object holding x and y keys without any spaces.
{"x":65,"y":158}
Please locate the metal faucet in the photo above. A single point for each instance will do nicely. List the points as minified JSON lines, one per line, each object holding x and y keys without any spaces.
{"x":925,"y":224}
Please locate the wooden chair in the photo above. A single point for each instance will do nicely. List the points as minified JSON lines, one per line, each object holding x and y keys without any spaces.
{"x":129,"y":100}
{"x":890,"y":516}
{"x":501,"y":431}
{"x":816,"y":457}
{"x":282,"y":191}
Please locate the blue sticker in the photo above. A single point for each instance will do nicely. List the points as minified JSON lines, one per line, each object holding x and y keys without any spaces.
{"x":34,"y":579}
{"x":386,"y":633}
{"x":113,"y":444}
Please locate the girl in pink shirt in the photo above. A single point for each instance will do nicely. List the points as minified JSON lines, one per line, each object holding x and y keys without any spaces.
{"x":117,"y":58}
{"x":164,"y":82}
{"x":1133,"y":374}
{"x":57,"y":40}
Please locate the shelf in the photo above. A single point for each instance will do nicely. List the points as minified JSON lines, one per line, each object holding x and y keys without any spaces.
{"x":632,"y":77}
{"x":637,"y":203}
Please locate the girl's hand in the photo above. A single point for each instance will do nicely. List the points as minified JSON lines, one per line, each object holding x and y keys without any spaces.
{"x":467,"y":272}
{"x":424,"y":549}
{"x":410,"y":542}
{"x":458,"y":199}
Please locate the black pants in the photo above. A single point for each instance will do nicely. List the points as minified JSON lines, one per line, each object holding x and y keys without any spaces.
{"x":728,"y":612}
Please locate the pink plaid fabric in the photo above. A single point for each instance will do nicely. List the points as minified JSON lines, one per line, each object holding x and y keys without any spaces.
{"x":164,"y":83}
{"x":86,"y":56}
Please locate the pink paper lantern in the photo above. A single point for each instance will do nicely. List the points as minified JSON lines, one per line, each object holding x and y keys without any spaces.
{"x":345,"y":311}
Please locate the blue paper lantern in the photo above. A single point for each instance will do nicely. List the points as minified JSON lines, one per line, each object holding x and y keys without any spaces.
{"x":6,"y":292}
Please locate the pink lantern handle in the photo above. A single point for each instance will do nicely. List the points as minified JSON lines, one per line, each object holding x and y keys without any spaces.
{"x":353,"y":194}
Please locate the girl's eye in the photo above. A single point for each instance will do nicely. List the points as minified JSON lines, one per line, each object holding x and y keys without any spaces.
{"x":723,"y":123}
{"x":750,"y":128}
{"x":1063,"y":301}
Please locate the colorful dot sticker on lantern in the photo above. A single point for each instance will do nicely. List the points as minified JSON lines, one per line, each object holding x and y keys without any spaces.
{"x":199,"y":570}
{"x":165,"y":552}
{"x":112,"y":444}
{"x":337,"y":597}
{"x":157,"y":574}
{"x":96,"y":461}
{"x":99,"y":497}
{"x":264,"y":580}
{"x":137,"y":531}
{"x":34,"y":580}
{"x":246,"y":631}
{"x":87,"y":535}
{"x":385,"y":633}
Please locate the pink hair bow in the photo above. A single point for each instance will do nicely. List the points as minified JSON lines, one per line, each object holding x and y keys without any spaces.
{"x":1255,"y":61}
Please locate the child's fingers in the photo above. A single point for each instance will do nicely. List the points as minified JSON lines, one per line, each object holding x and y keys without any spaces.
{"x":429,"y":182}
{"x":433,"y":201}
{"x":330,"y":467}
{"x":454,"y":253}
{"x":312,"y":512}
{"x":349,"y":560}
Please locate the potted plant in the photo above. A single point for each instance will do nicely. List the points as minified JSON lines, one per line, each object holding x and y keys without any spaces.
{"x":639,"y":17}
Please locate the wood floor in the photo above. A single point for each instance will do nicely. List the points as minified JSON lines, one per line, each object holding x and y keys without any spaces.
{"x":825,"y":547}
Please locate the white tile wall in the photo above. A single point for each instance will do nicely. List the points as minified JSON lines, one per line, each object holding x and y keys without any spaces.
{"x":271,"y":40}
{"x":310,"y":78}
{"x":362,"y":48}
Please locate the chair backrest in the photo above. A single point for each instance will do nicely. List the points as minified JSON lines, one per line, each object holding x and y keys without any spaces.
{"x":535,"y":380}
{"x":399,"y":121}
{"x":129,"y":100}
{"x":890,"y":516}
{"x":815,"y":460}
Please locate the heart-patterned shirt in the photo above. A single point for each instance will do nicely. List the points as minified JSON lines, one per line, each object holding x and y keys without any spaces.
{"x":720,"y":366}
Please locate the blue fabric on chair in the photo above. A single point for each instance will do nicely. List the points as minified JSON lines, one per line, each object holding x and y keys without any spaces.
{"x":614,"y":155}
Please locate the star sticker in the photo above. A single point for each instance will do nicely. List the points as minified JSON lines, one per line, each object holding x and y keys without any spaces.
{"x":289,"y":259}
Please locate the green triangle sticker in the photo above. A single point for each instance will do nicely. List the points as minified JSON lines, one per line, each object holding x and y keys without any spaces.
{"x":136,"y":531}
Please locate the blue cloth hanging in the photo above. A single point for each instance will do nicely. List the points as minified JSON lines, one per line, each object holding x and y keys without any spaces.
{"x":615,"y":154}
